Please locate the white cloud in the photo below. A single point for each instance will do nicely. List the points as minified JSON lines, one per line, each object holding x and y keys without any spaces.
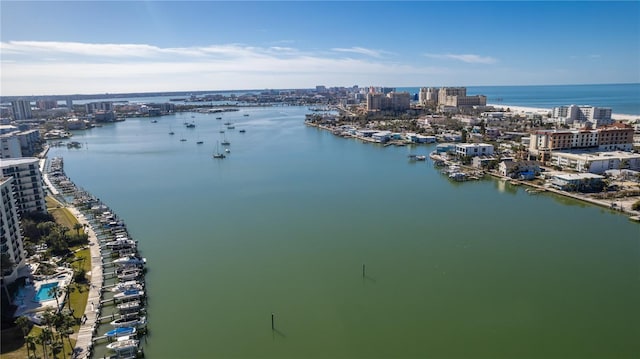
{"x":361,"y":50}
{"x":468,"y":58}
{"x":32,"y":67}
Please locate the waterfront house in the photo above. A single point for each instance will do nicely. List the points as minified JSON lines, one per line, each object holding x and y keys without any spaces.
{"x":474,"y":149}
{"x":381,"y":136}
{"x":596,"y":162}
{"x":445,"y":148}
{"x":580,"y":182}
{"x":525,"y":170}
{"x":482,"y":161}
{"x":365,"y":133}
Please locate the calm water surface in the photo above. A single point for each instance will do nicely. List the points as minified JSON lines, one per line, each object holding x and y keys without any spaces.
{"x":285,"y":223}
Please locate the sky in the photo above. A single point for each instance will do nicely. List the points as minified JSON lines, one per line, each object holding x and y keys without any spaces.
{"x":88,"y":47}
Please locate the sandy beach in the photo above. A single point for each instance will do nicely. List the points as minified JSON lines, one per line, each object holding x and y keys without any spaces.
{"x":544,"y":111}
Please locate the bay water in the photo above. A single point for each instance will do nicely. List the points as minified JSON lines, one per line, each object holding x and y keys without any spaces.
{"x":286,"y":222}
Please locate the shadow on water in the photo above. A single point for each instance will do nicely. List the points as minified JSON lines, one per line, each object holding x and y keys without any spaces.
{"x":367,"y":278}
{"x":275,"y":332}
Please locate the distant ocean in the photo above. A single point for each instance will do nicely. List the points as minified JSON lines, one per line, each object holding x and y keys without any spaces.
{"x":621,"y":98}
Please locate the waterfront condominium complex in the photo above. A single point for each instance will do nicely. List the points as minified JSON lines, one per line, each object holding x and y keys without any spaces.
{"x":607,"y":138}
{"x":597,"y":116}
{"x":11,"y":243}
{"x":457,"y":97}
{"x":26,"y":179}
{"x":395,"y":101}
{"x":428,"y":96}
{"x":21,"y":109}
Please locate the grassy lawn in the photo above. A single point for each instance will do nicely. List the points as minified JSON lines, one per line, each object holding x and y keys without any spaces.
{"x":14,"y":346}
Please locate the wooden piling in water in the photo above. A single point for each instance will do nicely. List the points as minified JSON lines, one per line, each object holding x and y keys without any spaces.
{"x":273,"y":327}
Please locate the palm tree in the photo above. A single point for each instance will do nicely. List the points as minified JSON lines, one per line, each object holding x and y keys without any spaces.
{"x":31,"y":345}
{"x":67,"y":327}
{"x":77,"y":227}
{"x":44,"y":338}
{"x":69,"y":290}
{"x":6,"y":264}
{"x":56,"y":292}
{"x":25,"y":325}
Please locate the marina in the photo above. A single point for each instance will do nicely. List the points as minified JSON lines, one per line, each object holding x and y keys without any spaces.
{"x":115,"y":314}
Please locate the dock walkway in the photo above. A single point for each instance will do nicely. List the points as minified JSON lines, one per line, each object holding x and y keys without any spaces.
{"x":91,"y":312}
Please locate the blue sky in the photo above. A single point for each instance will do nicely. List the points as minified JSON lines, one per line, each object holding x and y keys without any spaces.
{"x":72,"y":47}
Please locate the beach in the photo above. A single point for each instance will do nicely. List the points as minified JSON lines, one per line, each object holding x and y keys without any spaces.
{"x":545,"y":111}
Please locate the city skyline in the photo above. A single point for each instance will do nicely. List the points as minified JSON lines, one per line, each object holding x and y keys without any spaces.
{"x":119,"y":47}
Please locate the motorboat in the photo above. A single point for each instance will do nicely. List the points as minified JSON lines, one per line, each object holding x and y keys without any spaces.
{"x":129,"y":294}
{"x":128,"y":285}
{"x":130,"y":260}
{"x":121,"y":243}
{"x":129,"y":306}
{"x":123,"y":345}
{"x":120,"y":332}
{"x":129,"y":274}
{"x":129,"y":322}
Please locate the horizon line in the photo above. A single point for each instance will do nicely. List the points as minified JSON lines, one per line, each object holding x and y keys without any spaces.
{"x":2,"y":97}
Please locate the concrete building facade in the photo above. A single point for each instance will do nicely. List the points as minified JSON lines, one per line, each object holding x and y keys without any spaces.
{"x":28,"y":186}
{"x":474,"y":149}
{"x":457,"y":97}
{"x":21,"y":109}
{"x":612,"y":137}
{"x":11,"y":243}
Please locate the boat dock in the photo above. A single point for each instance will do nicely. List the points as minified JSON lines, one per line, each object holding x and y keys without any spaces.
{"x":104,"y":229}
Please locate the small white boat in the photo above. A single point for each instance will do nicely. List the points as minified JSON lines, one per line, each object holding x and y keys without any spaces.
{"x":129,"y":274}
{"x":123,"y":345}
{"x":128,"y":285}
{"x":129,"y":294}
{"x":130,"y":260}
{"x":129,"y":306}
{"x":121,"y":243}
{"x":129,"y":322}
{"x":121,"y":332}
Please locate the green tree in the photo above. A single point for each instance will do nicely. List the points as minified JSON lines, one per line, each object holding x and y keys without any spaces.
{"x":25,"y":325}
{"x":31,"y":345}
{"x":44,"y":338}
{"x":6,"y":266}
{"x":56,"y":292}
{"x":77,"y":227}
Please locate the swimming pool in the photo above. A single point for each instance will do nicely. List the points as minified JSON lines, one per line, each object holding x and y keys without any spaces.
{"x":43,"y":293}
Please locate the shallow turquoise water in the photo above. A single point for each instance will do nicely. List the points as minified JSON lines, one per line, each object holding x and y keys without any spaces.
{"x":286,"y":222}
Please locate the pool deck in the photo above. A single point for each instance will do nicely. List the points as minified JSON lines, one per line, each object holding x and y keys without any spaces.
{"x":88,"y":328}
{"x":27,"y":305}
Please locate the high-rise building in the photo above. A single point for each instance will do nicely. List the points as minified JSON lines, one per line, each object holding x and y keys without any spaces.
{"x":11,"y":243}
{"x":396,"y":101}
{"x":46,"y":104}
{"x":598,"y":116}
{"x":457,"y":97}
{"x":428,"y":96}
{"x":28,"y":187}
{"x":21,"y":109}
{"x":99,"y":106}
{"x":10,"y":146}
